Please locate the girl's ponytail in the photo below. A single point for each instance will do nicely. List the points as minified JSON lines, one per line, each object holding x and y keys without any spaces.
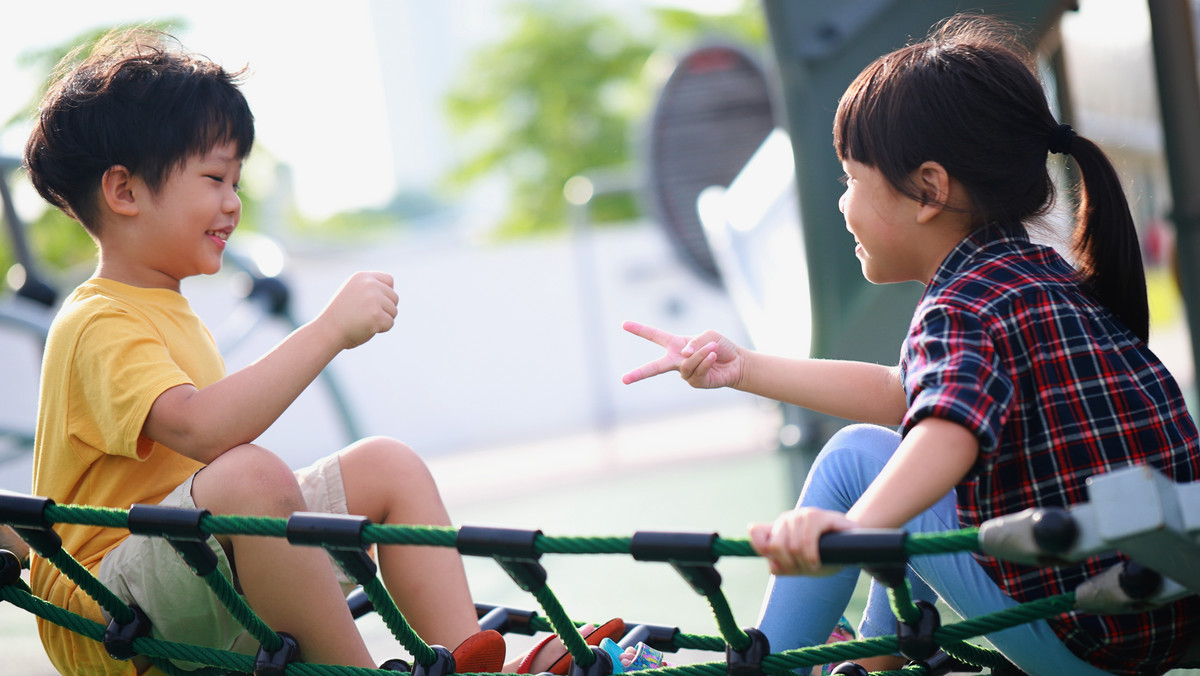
{"x":1105,"y":240}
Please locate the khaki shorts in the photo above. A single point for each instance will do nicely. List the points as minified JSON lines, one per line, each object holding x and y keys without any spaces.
{"x":147,"y":572}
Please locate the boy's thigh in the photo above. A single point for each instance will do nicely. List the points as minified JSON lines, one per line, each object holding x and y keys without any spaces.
{"x":147,"y":572}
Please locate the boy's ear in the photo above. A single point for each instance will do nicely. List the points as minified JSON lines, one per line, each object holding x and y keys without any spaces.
{"x":934,"y":184}
{"x":117,"y":190}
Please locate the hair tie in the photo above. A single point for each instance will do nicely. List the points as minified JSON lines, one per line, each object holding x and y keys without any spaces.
{"x":1060,"y":139}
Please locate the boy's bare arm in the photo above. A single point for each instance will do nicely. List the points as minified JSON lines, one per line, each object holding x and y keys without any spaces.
{"x":204,"y":423}
{"x":853,"y":390}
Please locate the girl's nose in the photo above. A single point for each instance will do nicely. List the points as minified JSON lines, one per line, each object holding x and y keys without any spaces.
{"x":842,"y":203}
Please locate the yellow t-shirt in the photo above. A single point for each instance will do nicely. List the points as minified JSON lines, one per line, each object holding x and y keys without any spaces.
{"x":112,"y":350}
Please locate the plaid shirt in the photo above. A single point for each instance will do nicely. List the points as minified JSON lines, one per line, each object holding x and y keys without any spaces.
{"x":1006,"y":343}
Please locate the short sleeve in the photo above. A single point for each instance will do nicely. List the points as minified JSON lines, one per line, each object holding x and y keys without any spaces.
{"x":120,"y":365}
{"x":952,"y":372}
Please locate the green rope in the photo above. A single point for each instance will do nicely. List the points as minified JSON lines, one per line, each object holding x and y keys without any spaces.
{"x":385,"y":605}
{"x":562,"y":625}
{"x":240,"y":611}
{"x":734,"y":636}
{"x":903,"y":606}
{"x":91,"y":586}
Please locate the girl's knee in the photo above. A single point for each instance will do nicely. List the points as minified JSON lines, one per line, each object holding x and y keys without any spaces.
{"x":847,"y":464}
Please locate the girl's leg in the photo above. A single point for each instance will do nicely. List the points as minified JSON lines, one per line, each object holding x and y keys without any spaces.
{"x":388,"y":482}
{"x":801,"y":611}
{"x":253,"y":481}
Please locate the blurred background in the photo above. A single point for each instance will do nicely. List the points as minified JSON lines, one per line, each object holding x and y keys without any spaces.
{"x":534,"y":173}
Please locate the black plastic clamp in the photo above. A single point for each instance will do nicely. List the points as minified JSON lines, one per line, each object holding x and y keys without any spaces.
{"x":338,"y":534}
{"x":331,"y":531}
{"x":514,"y":549}
{"x":686,"y":548}
{"x":748,"y":662}
{"x":691,"y":554}
{"x":274,"y":662}
{"x":657,"y":636}
{"x":916,"y":640}
{"x":173,"y":523}
{"x":118,"y":638}
{"x":360,"y":604}
{"x":26,"y":514}
{"x":865,"y":547}
{"x":29,"y":511}
{"x":849,"y":669}
{"x":442,"y":664}
{"x":10,"y":568}
{"x":601,"y":666}
{"x":180,"y":526}
{"x":890,"y":576}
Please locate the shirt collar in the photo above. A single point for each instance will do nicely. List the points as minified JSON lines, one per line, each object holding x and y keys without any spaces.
{"x":982,"y":238}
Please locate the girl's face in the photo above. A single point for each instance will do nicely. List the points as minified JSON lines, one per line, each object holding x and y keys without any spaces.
{"x":887,"y":241}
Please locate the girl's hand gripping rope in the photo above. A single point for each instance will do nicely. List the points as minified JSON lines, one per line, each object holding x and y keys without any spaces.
{"x":706,"y":361}
{"x":791,"y":544}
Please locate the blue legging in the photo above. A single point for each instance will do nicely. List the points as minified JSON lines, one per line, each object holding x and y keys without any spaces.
{"x":801,"y":611}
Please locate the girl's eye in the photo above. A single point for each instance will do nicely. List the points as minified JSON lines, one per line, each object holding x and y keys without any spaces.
{"x":844,"y":179}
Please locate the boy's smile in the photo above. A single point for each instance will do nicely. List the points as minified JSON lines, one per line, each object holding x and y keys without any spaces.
{"x":179,"y":230}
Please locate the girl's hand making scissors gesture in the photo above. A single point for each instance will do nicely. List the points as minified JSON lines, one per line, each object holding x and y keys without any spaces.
{"x":706,"y":361}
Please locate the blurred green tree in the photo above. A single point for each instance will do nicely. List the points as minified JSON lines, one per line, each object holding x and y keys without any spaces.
{"x":562,"y":93}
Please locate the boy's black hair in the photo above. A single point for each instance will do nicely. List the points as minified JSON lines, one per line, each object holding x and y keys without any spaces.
{"x":139,"y":101}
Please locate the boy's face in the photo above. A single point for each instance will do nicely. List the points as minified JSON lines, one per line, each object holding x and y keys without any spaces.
{"x":191,"y":216}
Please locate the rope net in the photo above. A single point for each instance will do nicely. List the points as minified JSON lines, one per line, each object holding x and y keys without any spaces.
{"x":933,"y":648}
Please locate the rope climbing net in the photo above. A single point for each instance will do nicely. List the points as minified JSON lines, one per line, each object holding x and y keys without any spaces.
{"x":1032,"y":536}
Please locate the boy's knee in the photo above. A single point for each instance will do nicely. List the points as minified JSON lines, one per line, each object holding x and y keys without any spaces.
{"x":385,"y":455}
{"x":248,"y":477}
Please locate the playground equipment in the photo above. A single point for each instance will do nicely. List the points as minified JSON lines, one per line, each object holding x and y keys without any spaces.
{"x":1134,"y":510}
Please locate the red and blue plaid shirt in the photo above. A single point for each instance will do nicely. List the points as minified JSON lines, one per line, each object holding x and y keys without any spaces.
{"x":1007,"y":343}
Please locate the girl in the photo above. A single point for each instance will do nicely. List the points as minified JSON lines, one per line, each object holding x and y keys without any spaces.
{"x":1020,"y":377}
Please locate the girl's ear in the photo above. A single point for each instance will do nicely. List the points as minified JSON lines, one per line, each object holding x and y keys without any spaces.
{"x":934,"y":183}
{"x":117,"y":190}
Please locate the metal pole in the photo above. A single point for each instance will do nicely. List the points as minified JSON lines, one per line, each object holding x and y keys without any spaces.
{"x":1174,"y":44}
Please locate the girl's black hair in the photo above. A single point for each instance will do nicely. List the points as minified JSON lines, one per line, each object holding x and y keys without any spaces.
{"x":135,"y":100}
{"x":967,"y":98}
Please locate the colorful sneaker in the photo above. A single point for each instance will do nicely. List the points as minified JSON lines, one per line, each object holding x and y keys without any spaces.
{"x":841,"y":632}
{"x":644,"y":657}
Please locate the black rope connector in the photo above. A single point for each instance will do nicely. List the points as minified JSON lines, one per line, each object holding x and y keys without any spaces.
{"x":395,"y":665}
{"x":865,"y":546}
{"x":24,"y":510}
{"x":331,"y":531}
{"x":942,"y":664}
{"x":514,"y":549}
{"x":691,"y":554}
{"x":360,"y":604}
{"x":888,"y":576}
{"x":274,"y":662}
{"x":849,"y":669}
{"x":509,"y":543}
{"x":688,"y":548}
{"x":916,"y":640}
{"x":748,"y":662}
{"x":657,"y":636}
{"x":119,"y":637}
{"x":442,"y":664}
{"x":173,"y":523}
{"x":601,"y":666}
{"x":10,"y":568}
{"x":180,"y":526}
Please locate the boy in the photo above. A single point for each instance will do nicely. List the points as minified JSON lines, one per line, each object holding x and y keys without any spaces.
{"x":143,"y":145}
